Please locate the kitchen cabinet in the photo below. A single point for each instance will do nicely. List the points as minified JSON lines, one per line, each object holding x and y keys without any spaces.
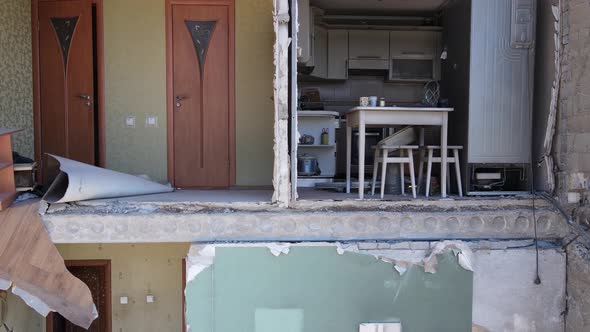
{"x":415,"y":55}
{"x":312,"y":123}
{"x":320,"y":52}
{"x":368,"y":44}
{"x":304,"y":34}
{"x":337,"y":54}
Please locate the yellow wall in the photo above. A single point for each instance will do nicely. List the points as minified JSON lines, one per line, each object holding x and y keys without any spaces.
{"x":18,"y":315}
{"x":137,"y":269}
{"x":135,"y":79}
{"x":254,"y":90}
{"x":16,"y":73}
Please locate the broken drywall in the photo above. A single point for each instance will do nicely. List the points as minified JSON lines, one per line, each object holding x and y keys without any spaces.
{"x":32,"y":266}
{"x":281,"y":168}
{"x":201,"y":257}
{"x":547,"y":158}
{"x":77,"y":181}
{"x":335,"y":292}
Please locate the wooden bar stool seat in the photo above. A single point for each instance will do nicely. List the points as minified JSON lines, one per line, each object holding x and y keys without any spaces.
{"x":383,"y":157}
{"x":454,"y":159}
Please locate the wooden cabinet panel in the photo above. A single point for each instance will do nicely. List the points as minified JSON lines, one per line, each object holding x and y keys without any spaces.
{"x":414,"y":43}
{"x":337,"y":54}
{"x":320,"y":52}
{"x":368,"y":44}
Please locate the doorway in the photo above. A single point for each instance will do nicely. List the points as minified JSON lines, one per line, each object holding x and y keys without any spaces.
{"x":200,"y":93}
{"x":68,"y":80}
{"x":96,"y":274}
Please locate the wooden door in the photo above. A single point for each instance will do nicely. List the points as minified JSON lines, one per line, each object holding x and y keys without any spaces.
{"x":201,"y":91}
{"x":66,"y":79}
{"x":97,"y":278}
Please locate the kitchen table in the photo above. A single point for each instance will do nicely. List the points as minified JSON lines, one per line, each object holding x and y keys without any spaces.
{"x":382,"y":117}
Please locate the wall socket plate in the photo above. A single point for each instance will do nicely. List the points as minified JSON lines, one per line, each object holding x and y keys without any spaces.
{"x":123,"y":300}
{"x":151,"y":121}
{"x":130,"y":121}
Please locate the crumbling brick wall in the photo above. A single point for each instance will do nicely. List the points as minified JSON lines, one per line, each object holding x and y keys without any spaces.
{"x":572,"y":151}
{"x":572,"y":137}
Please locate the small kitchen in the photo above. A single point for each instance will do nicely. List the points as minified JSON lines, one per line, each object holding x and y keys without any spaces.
{"x":396,"y":83}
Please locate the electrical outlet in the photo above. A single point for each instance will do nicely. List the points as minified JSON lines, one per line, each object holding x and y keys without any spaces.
{"x":151,"y":121}
{"x":130,"y":121}
{"x":124,"y":300}
{"x":149,"y":298}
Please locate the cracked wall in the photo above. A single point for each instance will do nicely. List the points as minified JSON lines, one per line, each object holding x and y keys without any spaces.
{"x":505,"y":297}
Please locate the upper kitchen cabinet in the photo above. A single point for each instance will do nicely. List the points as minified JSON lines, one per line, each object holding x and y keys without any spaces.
{"x":305,"y":32}
{"x":368,"y":44}
{"x":320,"y":52}
{"x":337,"y":54}
{"x":415,"y":55}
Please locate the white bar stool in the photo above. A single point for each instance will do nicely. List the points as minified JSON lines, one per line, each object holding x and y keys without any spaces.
{"x":450,"y":160}
{"x":406,"y":156}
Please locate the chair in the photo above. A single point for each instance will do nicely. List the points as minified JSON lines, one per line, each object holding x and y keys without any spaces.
{"x":406,"y":156}
{"x":398,"y":142}
{"x":454,"y":159}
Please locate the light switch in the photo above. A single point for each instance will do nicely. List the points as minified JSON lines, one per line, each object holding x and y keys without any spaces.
{"x":123,"y":300}
{"x":130,"y":121}
{"x":151,"y":121}
{"x":149,"y":298}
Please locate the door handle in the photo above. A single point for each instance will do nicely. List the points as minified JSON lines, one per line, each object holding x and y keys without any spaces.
{"x":87,"y":98}
{"x":179,"y":98}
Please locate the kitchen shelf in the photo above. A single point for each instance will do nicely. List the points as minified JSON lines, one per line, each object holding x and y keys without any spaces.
{"x":322,"y":114}
{"x":316,"y":145}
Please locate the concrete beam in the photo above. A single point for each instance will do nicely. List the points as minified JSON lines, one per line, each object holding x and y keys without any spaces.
{"x":506,"y":219}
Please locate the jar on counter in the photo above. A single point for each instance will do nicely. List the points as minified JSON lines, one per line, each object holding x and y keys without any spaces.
{"x":381,"y":102}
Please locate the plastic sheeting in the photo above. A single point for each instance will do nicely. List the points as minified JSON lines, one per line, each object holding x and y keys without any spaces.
{"x":77,"y":181}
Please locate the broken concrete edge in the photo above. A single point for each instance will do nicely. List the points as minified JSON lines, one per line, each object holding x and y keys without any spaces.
{"x":31,"y":300}
{"x":121,"y":206}
{"x":281,"y":168}
{"x":201,"y":256}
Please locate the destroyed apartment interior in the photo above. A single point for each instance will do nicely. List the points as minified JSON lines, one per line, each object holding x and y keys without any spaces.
{"x":294,"y":165}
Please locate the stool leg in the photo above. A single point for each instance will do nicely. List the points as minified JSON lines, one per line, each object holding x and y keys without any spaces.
{"x":401,"y":172}
{"x":385,"y":153}
{"x":412,"y":176}
{"x":458,"y":171}
{"x":421,"y":170}
{"x":375,"y":170}
{"x":448,"y":178}
{"x":428,"y":171}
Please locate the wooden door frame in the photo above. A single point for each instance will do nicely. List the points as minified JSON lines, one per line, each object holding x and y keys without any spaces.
{"x":100,"y":126}
{"x":106,"y":263}
{"x":170,"y":84}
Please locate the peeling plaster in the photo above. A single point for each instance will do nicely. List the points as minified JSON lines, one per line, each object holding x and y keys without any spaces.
{"x":201,"y":257}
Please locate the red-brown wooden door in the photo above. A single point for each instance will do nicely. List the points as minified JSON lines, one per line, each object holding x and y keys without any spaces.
{"x":66,"y":79}
{"x":201,"y":95}
{"x":97,"y":278}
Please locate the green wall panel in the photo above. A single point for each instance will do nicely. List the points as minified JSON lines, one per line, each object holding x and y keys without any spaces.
{"x":332,"y":292}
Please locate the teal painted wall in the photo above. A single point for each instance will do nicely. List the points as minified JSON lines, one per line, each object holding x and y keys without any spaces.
{"x":334,"y":292}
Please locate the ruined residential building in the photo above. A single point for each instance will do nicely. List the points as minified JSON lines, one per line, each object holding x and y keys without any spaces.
{"x":241,"y":106}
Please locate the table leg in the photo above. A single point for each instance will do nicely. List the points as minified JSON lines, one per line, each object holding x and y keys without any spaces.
{"x":361,"y":158}
{"x":443,"y":155}
{"x":348,"y":156}
{"x":421,"y":160}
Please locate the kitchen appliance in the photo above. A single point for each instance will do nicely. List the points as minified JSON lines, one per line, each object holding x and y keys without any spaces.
{"x":307,"y":165}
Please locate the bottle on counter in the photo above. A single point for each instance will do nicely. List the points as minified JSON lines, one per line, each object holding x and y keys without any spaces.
{"x":381,"y":102}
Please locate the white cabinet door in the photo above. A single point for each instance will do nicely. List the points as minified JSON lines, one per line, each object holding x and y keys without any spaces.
{"x":320,"y":52}
{"x":407,"y":43}
{"x":368,"y":44}
{"x":337,"y":54}
{"x":304,"y":34}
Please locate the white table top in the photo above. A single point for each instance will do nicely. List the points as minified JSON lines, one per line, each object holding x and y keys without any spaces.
{"x":402,"y":108}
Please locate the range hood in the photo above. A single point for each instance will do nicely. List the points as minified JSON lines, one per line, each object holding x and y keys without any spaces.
{"x":365,"y":66}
